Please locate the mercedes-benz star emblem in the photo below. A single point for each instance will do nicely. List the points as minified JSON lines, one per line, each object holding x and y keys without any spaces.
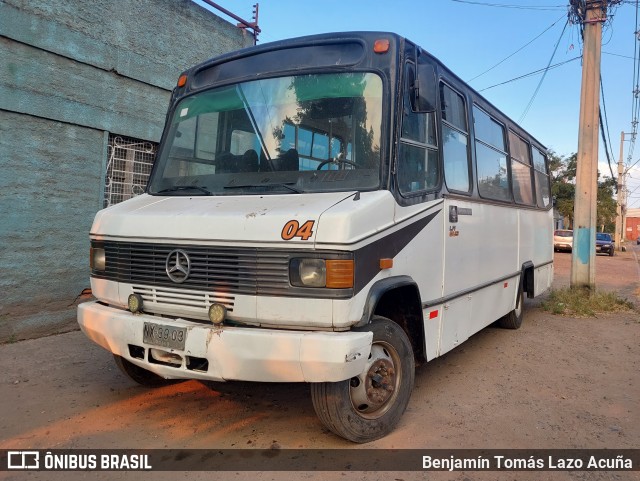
{"x":178,"y":266}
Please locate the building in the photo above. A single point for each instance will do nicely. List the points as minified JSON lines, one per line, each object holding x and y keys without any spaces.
{"x":632,"y":224}
{"x":84,"y":88}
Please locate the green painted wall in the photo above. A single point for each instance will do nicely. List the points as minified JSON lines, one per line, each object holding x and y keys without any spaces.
{"x":70,"y":73}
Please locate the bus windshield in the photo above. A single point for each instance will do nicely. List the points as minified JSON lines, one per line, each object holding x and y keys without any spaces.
{"x":307,"y":133}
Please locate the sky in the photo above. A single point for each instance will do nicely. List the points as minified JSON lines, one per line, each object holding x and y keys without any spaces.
{"x":472,"y":36}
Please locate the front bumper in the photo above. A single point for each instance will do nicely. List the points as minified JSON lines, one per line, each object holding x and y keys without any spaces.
{"x":232,"y":353}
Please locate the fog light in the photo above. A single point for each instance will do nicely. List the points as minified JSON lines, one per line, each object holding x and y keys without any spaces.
{"x":217,"y":313}
{"x":135,"y":303}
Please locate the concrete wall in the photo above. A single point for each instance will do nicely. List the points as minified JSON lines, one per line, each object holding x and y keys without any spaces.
{"x":71,"y":72}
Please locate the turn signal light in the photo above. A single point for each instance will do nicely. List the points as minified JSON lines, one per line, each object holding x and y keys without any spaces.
{"x":381,"y":45}
{"x":339,"y":274}
{"x":386,"y":263}
{"x":182,"y":80}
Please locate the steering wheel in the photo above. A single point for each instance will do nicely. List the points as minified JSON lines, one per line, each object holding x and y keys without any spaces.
{"x":337,"y":162}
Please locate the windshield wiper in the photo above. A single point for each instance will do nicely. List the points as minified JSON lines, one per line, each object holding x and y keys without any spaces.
{"x":178,"y":188}
{"x":282,"y":184}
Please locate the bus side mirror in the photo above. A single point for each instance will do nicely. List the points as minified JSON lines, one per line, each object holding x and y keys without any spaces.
{"x":425,"y":89}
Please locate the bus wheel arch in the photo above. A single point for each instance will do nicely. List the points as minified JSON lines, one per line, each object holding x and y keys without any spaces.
{"x":526,"y":279}
{"x":398,"y":299}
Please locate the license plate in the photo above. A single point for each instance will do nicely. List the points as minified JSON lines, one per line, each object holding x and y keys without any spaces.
{"x":164,"y":336}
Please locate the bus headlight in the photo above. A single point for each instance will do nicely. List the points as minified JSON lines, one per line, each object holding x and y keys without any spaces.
{"x":97,"y":259}
{"x":330,"y":273}
{"x":308,"y":272}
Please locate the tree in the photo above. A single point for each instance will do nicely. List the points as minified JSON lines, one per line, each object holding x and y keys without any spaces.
{"x":606,"y":205}
{"x":563,"y":190}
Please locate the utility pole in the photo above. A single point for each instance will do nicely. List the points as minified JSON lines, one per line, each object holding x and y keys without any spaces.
{"x":583,"y":257}
{"x":624,"y":208}
{"x":620,"y":201}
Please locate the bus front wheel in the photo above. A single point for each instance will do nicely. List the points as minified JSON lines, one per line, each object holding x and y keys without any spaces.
{"x":140,"y":375}
{"x":369,"y":406}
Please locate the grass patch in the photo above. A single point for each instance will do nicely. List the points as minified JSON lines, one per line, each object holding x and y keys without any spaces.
{"x":583,"y":302}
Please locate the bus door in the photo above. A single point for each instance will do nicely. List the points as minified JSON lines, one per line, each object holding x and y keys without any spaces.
{"x":417,"y":179}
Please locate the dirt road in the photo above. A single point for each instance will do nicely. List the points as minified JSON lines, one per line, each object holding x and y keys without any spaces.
{"x":557,"y":382}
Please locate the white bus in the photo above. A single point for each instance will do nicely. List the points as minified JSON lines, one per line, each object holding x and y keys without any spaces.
{"x":328,"y":210}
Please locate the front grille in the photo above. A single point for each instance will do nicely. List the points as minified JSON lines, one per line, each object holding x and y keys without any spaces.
{"x":181,"y":298}
{"x":218,"y":269}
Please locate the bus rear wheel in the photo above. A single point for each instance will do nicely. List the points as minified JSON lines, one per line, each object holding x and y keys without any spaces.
{"x":369,"y":406}
{"x":513,"y":320}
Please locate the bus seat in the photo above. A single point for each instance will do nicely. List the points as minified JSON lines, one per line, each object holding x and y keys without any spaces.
{"x":248,"y":162}
{"x":290,"y":160}
{"x":225,"y":162}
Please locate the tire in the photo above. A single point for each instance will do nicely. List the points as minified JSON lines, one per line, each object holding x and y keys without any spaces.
{"x":140,"y":375}
{"x":611,"y":253}
{"x":363,"y":409}
{"x":513,"y":320}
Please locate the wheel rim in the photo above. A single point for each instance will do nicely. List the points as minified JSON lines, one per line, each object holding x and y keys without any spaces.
{"x":518,"y":309}
{"x":374,"y":391}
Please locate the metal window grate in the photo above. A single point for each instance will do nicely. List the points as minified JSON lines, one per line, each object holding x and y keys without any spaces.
{"x":128,"y":167}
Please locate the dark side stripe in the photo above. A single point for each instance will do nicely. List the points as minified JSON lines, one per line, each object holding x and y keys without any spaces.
{"x":367,"y":258}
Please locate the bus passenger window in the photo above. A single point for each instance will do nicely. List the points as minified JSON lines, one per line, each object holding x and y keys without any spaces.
{"x":491,"y":157}
{"x":522,"y":188}
{"x":320,"y":148}
{"x":543,"y":193}
{"x":521,"y":170}
{"x":455,"y":139}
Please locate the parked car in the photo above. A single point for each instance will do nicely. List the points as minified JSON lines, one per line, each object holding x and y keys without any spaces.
{"x":604,"y":243}
{"x":563,"y":240}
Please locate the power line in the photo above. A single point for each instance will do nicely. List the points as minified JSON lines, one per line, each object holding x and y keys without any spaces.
{"x":632,"y":165}
{"x":519,"y":7}
{"x":525,"y":45}
{"x":636,"y":91}
{"x":530,"y":74}
{"x":618,"y":55}
{"x":607,"y":146}
{"x":555,"y":49}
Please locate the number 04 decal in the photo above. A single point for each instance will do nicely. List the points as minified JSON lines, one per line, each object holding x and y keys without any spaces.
{"x":293,"y":229}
